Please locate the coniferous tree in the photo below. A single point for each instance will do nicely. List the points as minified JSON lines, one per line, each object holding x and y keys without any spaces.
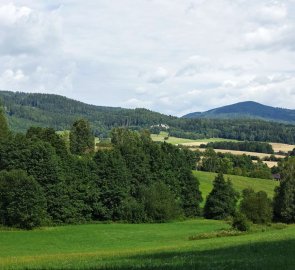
{"x":81,"y":138}
{"x":284,"y":200}
{"x":222,"y":200}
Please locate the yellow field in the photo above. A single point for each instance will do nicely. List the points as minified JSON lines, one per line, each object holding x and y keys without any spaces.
{"x":269,"y":164}
{"x":282,"y":147}
{"x":234,"y":152}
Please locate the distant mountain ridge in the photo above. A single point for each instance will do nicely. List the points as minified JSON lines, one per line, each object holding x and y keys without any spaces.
{"x":247,"y":109}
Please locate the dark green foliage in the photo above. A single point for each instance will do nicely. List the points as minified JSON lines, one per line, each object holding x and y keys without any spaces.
{"x":4,"y":130}
{"x":284,"y":201}
{"x":81,"y":138}
{"x":132,"y":179}
{"x":222,"y":200}
{"x":22,"y":201}
{"x":260,"y":147}
{"x":160,"y":204}
{"x":240,"y":222}
{"x":256,"y":206}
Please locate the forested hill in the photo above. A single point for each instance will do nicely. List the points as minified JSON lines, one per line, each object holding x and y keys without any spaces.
{"x":248,"y":109}
{"x":48,"y":110}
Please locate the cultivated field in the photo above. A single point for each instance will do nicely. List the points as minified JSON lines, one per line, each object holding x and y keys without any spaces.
{"x":239,"y":183}
{"x":147,"y":246}
{"x":277,"y":147}
{"x":234,"y":152}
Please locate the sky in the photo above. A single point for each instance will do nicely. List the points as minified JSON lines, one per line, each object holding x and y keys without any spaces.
{"x":171,"y":56}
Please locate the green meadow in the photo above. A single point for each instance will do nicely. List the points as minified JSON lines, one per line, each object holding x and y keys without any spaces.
{"x":174,"y":140}
{"x":239,"y":183}
{"x":147,"y":246}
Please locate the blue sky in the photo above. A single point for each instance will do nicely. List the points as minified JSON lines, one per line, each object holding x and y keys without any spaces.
{"x":172,"y":56}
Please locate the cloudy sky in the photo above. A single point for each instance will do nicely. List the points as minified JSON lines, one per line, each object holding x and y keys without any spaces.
{"x":172,"y":56}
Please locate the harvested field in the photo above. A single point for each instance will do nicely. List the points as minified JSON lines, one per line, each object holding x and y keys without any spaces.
{"x":260,"y":155}
{"x":277,"y":147}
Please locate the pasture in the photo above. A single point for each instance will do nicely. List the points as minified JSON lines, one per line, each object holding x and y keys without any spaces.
{"x":147,"y":246}
{"x":239,"y":183}
{"x":187,"y":142}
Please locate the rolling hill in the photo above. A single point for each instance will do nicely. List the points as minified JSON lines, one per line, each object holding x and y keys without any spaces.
{"x":248,"y":109}
{"x":47,"y":110}
{"x":24,"y":110}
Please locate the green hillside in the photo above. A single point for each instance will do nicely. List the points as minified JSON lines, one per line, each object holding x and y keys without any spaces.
{"x":147,"y":246}
{"x":239,"y":183}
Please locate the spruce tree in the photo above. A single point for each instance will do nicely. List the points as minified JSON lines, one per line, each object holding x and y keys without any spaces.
{"x":222,"y":200}
{"x":284,"y":201}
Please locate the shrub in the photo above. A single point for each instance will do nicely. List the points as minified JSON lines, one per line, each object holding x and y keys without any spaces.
{"x":240,"y":222}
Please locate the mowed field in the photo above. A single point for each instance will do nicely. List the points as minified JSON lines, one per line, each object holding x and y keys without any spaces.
{"x":147,"y":246}
{"x":239,"y":183}
{"x":173,"y":140}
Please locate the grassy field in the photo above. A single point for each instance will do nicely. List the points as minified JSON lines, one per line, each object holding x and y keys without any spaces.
{"x":239,"y":183}
{"x":146,"y":246}
{"x":174,"y":140}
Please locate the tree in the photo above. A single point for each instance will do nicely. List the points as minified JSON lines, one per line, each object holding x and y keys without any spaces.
{"x":256,"y":206}
{"x":284,"y":200}
{"x":222,"y":200}
{"x":4,"y":130}
{"x":81,"y":138}
{"x":22,"y":202}
{"x":160,"y":204}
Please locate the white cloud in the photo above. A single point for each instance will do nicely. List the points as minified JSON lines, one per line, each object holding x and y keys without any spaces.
{"x":159,"y":75}
{"x":170,"y":56}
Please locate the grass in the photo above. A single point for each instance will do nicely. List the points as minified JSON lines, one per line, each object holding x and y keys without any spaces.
{"x":174,"y":140}
{"x":146,"y":246}
{"x":239,"y":183}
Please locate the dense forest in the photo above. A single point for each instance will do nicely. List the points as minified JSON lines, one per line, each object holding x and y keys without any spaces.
{"x":44,"y":182}
{"x":259,"y":147}
{"x":47,"y":180}
{"x":45,"y":110}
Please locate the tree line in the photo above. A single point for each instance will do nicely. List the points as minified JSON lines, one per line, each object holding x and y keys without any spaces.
{"x":260,"y":147}
{"x":228,"y":163}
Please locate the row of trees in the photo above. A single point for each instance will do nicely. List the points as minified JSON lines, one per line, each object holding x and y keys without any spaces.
{"x":260,"y":147}
{"x":232,"y":164}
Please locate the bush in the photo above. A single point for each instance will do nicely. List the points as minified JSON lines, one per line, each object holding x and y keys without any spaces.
{"x":240,"y":222}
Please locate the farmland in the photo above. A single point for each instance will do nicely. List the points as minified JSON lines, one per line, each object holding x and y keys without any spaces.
{"x":173,"y":140}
